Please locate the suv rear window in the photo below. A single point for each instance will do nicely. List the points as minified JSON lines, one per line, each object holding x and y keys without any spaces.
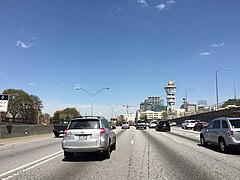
{"x":84,"y":124}
{"x":235,"y":123}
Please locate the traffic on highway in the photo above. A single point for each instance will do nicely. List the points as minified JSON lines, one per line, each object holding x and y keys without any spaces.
{"x":139,"y":154}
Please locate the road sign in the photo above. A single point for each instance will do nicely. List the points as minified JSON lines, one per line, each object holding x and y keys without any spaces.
{"x":3,"y":102}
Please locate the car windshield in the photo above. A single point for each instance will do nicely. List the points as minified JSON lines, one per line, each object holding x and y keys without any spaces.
{"x":235,"y":123}
{"x":140,"y":121}
{"x":84,"y":124}
{"x":125,"y":123}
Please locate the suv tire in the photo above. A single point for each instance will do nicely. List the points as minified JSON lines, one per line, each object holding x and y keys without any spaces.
{"x":114,"y":146}
{"x":106,"y":154}
{"x":202,"y":141}
{"x":223,"y":146}
{"x":68,"y":155}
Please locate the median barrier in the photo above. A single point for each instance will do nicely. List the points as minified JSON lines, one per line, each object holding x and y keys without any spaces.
{"x":10,"y":131}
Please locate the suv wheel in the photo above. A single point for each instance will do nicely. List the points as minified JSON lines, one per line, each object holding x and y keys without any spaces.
{"x":56,"y":135}
{"x":68,"y":155}
{"x":222,"y":145}
{"x":114,"y":145}
{"x":202,"y":141}
{"x":106,"y":153}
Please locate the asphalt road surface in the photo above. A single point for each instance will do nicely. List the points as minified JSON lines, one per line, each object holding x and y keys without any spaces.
{"x":140,"y":154}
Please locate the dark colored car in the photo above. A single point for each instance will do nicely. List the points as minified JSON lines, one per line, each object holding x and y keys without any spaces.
{"x":163,"y":126}
{"x":200,"y":125}
{"x":58,"y":129}
{"x":141,"y":124}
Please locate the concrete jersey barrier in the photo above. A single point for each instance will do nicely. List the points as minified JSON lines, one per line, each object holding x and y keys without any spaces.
{"x":10,"y":131}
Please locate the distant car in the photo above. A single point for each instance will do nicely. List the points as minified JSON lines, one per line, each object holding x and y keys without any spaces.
{"x":172,"y":123}
{"x":88,"y":134}
{"x":188,"y":124}
{"x":153,"y":124}
{"x":58,"y":129}
{"x":163,"y":126}
{"x":224,"y":132}
{"x":125,"y":125}
{"x":200,"y":125}
{"x":141,"y":124}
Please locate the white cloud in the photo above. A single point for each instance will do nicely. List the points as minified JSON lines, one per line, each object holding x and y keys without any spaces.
{"x":143,"y":3}
{"x":205,"y":53}
{"x":32,"y":84}
{"x":217,"y":45}
{"x":171,"y":2}
{"x":23,"y":45}
{"x":161,"y":7}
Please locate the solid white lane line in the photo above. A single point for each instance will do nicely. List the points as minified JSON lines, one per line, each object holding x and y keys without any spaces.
{"x":32,"y":163}
{"x":177,"y":141}
{"x":24,"y":170}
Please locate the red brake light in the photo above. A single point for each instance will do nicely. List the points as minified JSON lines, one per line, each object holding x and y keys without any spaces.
{"x":102,"y":131}
{"x":66,"y":133}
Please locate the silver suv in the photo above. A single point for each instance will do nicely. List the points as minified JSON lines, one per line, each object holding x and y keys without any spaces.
{"x":88,"y":134}
{"x":224,"y":132}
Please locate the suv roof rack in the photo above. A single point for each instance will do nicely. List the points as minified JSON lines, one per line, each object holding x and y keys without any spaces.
{"x":99,"y":117}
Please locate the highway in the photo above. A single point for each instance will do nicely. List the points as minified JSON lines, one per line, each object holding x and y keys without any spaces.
{"x":140,"y":155}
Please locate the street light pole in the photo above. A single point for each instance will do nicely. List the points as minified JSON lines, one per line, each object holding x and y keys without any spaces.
{"x":186,"y":90}
{"x":216,"y":79}
{"x":186,"y":101}
{"x":92,"y":95}
{"x":112,"y":107}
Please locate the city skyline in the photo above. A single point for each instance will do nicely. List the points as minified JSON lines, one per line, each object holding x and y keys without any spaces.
{"x":133,"y":47}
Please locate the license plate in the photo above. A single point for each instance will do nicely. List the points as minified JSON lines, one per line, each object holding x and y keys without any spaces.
{"x":83,"y":137}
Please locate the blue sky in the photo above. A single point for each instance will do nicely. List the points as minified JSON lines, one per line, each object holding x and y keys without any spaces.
{"x":47,"y":48}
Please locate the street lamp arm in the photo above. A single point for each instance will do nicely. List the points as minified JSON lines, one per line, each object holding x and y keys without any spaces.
{"x":94,"y":94}
{"x":86,"y":91}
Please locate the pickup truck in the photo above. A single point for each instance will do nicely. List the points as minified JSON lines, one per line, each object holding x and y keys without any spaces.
{"x":60,"y":127}
{"x":141,"y":124}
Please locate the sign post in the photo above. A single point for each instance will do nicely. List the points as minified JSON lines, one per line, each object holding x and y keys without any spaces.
{"x":3,"y":104}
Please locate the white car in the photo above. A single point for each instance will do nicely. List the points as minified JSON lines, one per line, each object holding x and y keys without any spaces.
{"x":153,"y":124}
{"x":188,"y":124}
{"x":125,"y":125}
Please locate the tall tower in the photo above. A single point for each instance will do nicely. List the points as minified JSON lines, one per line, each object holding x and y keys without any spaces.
{"x":170,"y":90}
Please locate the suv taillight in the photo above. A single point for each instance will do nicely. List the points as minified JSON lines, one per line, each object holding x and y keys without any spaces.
{"x":66,"y":133}
{"x":102,"y":131}
{"x":230,"y":133}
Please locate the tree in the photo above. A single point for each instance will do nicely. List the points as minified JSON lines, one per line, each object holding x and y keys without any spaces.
{"x":69,"y":113}
{"x":56,"y":117}
{"x":66,"y":114}
{"x":231,"y":102}
{"x":144,"y":117}
{"x":46,"y":116}
{"x":165,"y":114}
{"x":20,"y":103}
{"x":24,"y":105}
